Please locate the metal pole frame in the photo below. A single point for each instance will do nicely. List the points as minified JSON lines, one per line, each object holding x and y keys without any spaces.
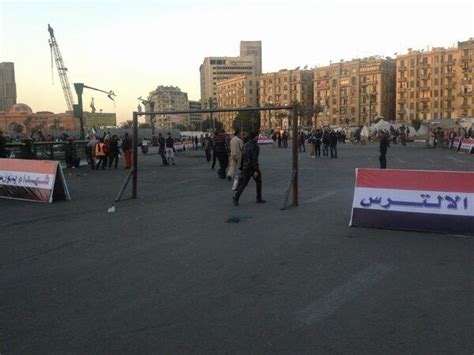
{"x":294,"y":173}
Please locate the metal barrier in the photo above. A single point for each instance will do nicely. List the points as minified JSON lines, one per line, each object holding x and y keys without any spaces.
{"x":49,"y":150}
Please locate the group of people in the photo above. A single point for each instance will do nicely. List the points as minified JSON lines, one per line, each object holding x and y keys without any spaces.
{"x":105,"y":151}
{"x":238,"y":160}
{"x":327,"y":138}
{"x":280,"y":138}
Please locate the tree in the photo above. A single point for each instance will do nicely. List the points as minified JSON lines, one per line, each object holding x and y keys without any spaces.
{"x":127,"y":124}
{"x":145,"y":125}
{"x":247,"y":121}
{"x":207,"y":125}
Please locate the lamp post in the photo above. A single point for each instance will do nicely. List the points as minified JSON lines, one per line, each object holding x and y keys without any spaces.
{"x":78,"y":109}
{"x":151,"y":107}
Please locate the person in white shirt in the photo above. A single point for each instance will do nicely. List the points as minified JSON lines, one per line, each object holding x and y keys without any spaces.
{"x":235,"y":155}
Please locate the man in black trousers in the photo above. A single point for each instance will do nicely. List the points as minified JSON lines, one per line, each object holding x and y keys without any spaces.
{"x":250,"y":168}
{"x":384,"y":143}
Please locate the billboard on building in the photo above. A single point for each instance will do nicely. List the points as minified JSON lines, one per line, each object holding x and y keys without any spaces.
{"x":99,"y":119}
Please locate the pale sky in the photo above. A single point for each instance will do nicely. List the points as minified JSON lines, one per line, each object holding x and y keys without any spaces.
{"x":131,"y":47}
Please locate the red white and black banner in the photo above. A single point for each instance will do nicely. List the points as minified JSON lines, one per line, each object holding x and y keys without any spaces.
{"x":32,"y":180}
{"x":467,"y":146}
{"x":435,"y":201}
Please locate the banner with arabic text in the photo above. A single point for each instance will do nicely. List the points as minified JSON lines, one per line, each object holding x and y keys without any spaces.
{"x":434,"y":201}
{"x":32,"y":180}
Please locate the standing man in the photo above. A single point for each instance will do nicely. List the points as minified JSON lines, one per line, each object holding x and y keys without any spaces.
{"x":235,"y":155}
{"x":170,"y":149}
{"x":301,"y":139}
{"x":3,"y":146}
{"x":113,"y":151}
{"x":90,"y":151}
{"x":221,"y":151}
{"x":162,"y":149}
{"x":250,"y":168}
{"x":207,"y":145}
{"x":101,"y":154}
{"x":326,"y":141}
{"x":384,"y":142}
{"x":333,"y":144}
{"x":127,"y":151}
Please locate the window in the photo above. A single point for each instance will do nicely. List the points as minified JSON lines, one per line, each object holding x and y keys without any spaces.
{"x":435,"y":93}
{"x":412,"y":95}
{"x":412,"y":84}
{"x":334,"y":82}
{"x":436,"y":70}
{"x":353,"y":80}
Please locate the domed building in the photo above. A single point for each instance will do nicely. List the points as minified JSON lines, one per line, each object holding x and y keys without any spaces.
{"x":20,"y":118}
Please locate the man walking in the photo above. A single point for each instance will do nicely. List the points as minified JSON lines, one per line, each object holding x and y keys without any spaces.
{"x":207,"y":145}
{"x":250,"y":168}
{"x":127,"y":151}
{"x":170,"y":149}
{"x":221,"y":152}
{"x":384,"y":142}
{"x":162,"y":149}
{"x":235,"y":155}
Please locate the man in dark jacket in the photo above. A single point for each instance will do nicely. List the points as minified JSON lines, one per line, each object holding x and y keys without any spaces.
{"x":384,"y":143}
{"x":250,"y":168}
{"x":113,"y":151}
{"x":162,"y":149}
{"x":221,"y":150}
{"x":333,"y":144}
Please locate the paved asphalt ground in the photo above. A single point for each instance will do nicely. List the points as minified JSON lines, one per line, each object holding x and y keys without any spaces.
{"x":166,"y":274}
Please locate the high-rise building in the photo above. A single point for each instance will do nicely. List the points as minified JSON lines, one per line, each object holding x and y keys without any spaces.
{"x":170,"y":98}
{"x":195,"y":118}
{"x":284,"y":88}
{"x":252,"y":48}
{"x":215,"y":69}
{"x":238,"y":91}
{"x":436,"y":84}
{"x":355,"y":92}
{"x":7,"y":86}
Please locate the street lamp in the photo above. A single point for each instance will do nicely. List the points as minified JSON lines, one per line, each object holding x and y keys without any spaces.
{"x":78,"y":109}
{"x":151,"y":107}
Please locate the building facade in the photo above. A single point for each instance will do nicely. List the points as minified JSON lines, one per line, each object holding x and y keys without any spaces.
{"x":355,"y":92}
{"x":252,"y":49}
{"x":7,"y":86}
{"x":21,"y":119}
{"x":169,"y":98}
{"x":436,"y":84}
{"x":215,"y":69}
{"x":238,"y":91}
{"x":195,"y":119}
{"x":284,"y":88}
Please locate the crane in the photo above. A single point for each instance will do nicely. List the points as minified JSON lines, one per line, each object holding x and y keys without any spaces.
{"x":62,"y":70}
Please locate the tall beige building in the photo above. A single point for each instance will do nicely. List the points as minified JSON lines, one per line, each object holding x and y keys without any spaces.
{"x":238,"y":91}
{"x":436,"y":83}
{"x":355,"y":92}
{"x":252,"y":48}
{"x":7,"y":86}
{"x":283,"y":88}
{"x":170,"y":98}
{"x":215,"y":69}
